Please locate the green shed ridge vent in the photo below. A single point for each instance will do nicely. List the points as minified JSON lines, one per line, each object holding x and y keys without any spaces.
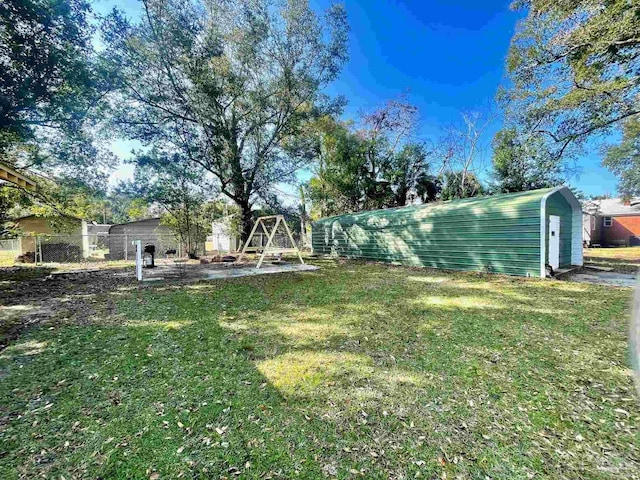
{"x":503,"y":233}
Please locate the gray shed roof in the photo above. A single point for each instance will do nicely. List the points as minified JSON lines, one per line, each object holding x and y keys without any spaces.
{"x":151,"y":220}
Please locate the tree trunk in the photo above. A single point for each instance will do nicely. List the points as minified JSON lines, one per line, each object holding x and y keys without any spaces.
{"x":247,"y":220}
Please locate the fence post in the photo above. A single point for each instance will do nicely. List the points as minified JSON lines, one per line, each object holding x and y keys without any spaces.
{"x":126,"y":247}
{"x":138,"y":260}
{"x":38,"y":248}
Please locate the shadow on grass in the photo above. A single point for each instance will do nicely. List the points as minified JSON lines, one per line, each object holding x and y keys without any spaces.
{"x":354,"y":370}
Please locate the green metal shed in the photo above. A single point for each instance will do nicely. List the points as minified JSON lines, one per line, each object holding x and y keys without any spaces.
{"x":516,"y":234}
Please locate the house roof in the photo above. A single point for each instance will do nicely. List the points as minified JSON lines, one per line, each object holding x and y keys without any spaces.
{"x":613,"y":207}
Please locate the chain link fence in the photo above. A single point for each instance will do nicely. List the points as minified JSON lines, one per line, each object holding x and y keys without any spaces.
{"x":60,"y":248}
{"x":103,"y":247}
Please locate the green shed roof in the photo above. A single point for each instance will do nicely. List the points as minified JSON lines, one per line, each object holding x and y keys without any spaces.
{"x":503,"y":201}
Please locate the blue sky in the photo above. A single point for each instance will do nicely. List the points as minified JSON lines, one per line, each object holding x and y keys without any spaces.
{"x":447,"y":54}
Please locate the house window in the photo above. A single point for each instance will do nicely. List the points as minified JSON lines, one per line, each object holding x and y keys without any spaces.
{"x":607,"y":221}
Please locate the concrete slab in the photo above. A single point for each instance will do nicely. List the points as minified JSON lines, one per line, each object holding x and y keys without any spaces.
{"x":219,"y":271}
{"x":605,"y":278}
{"x":265,"y":270}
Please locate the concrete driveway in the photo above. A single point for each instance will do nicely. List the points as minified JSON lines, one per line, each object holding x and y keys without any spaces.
{"x":604,"y":278}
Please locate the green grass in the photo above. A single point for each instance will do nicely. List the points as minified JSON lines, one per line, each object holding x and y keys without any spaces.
{"x":621,"y":259}
{"x":620,"y":253}
{"x":354,"y":371}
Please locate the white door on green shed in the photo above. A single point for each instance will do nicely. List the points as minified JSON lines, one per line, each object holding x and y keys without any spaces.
{"x":554,"y":241}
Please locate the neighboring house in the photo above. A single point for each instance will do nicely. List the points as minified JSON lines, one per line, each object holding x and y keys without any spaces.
{"x":612,"y":222}
{"x":68,"y":242}
{"x":517,"y":234}
{"x":148,"y":231}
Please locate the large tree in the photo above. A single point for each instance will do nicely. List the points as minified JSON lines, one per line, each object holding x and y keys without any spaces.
{"x":624,"y":159}
{"x":50,"y":85}
{"x":575,"y":70}
{"x":409,"y":174}
{"x":460,"y":154}
{"x":383,"y":133}
{"x":377,"y":165}
{"x":337,"y":184}
{"x":227,"y":84}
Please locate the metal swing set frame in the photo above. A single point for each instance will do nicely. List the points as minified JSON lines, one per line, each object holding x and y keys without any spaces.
{"x":270,"y":249}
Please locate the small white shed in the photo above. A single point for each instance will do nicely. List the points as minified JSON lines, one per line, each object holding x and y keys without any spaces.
{"x":223,"y":239}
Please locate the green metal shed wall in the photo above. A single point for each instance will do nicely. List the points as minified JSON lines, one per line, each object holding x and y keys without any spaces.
{"x":500,"y":233}
{"x":558,"y":205}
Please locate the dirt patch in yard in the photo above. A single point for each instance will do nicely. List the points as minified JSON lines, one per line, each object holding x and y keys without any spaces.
{"x":28,"y":296}
{"x":32,"y":296}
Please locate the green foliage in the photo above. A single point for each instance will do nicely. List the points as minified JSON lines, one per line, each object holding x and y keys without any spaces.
{"x":624,"y":159}
{"x":172,"y":183}
{"x":376,"y":166}
{"x":337,"y":186}
{"x":50,"y":86}
{"x":229,"y":85}
{"x":13,"y":203}
{"x":57,"y":201}
{"x":574,"y":70}
{"x":68,"y":197}
{"x":519,"y":165}
{"x":458,"y":185}
{"x":409,"y":177}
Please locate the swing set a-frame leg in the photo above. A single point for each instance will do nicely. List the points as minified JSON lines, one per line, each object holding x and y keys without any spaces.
{"x":269,"y":240}
{"x":246,"y":244}
{"x":293,"y":244}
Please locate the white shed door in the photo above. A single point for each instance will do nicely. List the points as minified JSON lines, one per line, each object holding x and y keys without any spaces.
{"x":554,"y":241}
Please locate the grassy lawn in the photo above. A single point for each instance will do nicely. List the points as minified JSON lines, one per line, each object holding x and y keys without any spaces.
{"x":354,"y":371}
{"x":622,"y":259}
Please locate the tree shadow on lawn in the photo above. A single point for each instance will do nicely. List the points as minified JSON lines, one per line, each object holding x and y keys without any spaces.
{"x":355,"y":368}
